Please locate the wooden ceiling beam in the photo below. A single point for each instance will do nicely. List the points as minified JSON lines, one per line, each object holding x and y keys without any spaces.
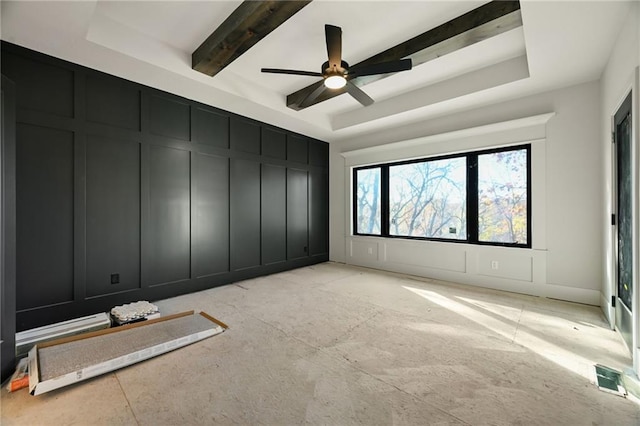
{"x":247,"y":25}
{"x":486,"y":21}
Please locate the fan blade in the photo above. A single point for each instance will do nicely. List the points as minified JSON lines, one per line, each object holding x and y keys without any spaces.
{"x":333,"y":35}
{"x":292,"y":72}
{"x":381,"y":68}
{"x":313,"y":95}
{"x":358,"y":94}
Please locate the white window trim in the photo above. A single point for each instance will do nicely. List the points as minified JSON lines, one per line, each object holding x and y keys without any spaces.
{"x":531,"y":130}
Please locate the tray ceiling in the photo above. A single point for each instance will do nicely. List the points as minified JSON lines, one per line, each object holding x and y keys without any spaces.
{"x":559,"y":44}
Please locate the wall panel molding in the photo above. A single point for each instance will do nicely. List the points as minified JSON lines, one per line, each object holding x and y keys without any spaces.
{"x":129,"y":193}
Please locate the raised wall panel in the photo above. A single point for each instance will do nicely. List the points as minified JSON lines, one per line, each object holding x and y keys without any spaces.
{"x":113,"y":215}
{"x":245,"y":136}
{"x":274,"y":143}
{"x":210,"y":128}
{"x":364,"y":251}
{"x":318,"y":153}
{"x":510,"y":264}
{"x":318,"y":213}
{"x":44,"y":216}
{"x":169,"y":244}
{"x":297,"y":149}
{"x":426,"y":254}
{"x":297,"y":217}
{"x":210,"y":232}
{"x":7,"y":228}
{"x":40,"y":85}
{"x":110,"y":101}
{"x":274,"y":214}
{"x":245,"y":214}
{"x":169,"y":117}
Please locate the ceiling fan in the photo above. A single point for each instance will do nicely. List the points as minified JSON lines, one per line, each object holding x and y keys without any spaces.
{"x":336,"y":72}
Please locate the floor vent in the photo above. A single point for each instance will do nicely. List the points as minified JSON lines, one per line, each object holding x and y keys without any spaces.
{"x":610,"y":380}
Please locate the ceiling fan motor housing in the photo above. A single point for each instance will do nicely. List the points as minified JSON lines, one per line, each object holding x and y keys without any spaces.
{"x":327,"y":70}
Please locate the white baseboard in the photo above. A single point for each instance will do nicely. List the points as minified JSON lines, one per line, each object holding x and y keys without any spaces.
{"x":607,"y":310}
{"x":566,"y":293}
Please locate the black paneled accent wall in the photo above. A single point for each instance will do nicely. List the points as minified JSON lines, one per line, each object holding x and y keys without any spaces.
{"x":128,"y":193}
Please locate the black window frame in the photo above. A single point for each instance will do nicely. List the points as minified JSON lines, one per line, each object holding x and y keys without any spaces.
{"x":472,"y":197}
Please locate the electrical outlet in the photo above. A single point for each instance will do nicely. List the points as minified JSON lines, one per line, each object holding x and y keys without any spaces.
{"x":115,"y":278}
{"x":494,"y":264}
{"x":370,"y":250}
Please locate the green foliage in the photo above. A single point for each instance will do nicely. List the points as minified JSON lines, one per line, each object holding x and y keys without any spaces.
{"x":502,"y":197}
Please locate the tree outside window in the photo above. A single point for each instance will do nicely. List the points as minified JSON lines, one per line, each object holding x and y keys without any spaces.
{"x":502,"y":197}
{"x":428,"y":199}
{"x":368,"y":201}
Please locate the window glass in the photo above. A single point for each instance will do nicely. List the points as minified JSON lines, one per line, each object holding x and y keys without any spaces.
{"x":502,"y":197}
{"x":428,"y":199}
{"x":368,"y":201}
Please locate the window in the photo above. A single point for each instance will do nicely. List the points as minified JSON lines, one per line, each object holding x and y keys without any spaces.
{"x":479,"y":197}
{"x":368,"y":201}
{"x":428,"y":199}
{"x":502,"y":197}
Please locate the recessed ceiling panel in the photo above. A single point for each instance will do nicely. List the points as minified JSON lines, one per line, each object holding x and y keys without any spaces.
{"x":180,"y":24}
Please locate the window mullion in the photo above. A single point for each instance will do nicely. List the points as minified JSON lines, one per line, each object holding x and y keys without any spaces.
{"x":529,"y":199}
{"x":354,"y":201}
{"x":384,"y":193}
{"x":472,"y":198}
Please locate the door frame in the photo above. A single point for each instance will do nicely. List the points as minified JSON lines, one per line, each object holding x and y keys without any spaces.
{"x":631,"y":87}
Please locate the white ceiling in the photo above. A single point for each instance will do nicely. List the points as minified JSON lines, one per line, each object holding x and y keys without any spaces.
{"x":561,"y":43}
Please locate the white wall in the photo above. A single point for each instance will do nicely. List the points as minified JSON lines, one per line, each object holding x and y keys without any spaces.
{"x":337,"y":207}
{"x":566,"y":259}
{"x":615,"y":83}
{"x":619,"y":77}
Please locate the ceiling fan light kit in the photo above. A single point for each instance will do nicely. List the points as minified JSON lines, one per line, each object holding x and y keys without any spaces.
{"x":335,"y":82}
{"x":336,"y":73}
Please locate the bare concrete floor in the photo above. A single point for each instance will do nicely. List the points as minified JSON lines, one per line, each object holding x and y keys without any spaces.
{"x":338,"y":345}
